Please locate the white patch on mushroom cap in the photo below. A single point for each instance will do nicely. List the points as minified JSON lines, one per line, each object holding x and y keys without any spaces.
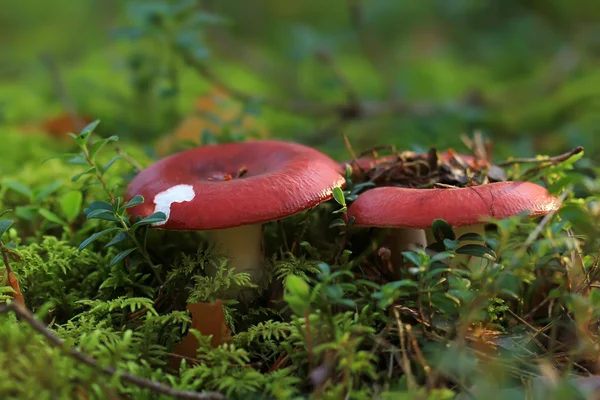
{"x":175,"y":194}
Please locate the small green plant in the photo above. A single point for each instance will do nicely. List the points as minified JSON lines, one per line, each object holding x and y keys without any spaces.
{"x":114,"y":210}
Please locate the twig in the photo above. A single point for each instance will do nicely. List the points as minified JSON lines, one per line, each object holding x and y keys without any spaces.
{"x":538,"y":229}
{"x":14,"y":284}
{"x":350,"y":149}
{"x":25,"y":315}
{"x":429,"y":372}
{"x":532,"y":328}
{"x":345,"y":111}
{"x":551,"y":160}
{"x":410,"y":378}
{"x":61,"y":90}
{"x":577,"y":277}
{"x":325,"y":57}
{"x":310,"y":109}
{"x":136,"y":165}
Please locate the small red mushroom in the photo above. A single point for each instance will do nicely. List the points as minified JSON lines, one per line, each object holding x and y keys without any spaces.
{"x":410,"y":211}
{"x":231,"y":189}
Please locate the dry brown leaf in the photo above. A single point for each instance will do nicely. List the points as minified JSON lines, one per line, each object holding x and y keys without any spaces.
{"x":62,"y":124}
{"x":14,"y":284}
{"x":208,"y":319}
{"x":10,"y":277}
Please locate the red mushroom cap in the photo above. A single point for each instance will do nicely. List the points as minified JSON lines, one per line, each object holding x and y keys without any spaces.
{"x":418,"y":208}
{"x":234,"y":184}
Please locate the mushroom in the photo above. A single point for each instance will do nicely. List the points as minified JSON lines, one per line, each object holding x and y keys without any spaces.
{"x":231,"y":189}
{"x":409,"y":211}
{"x":404,"y":238}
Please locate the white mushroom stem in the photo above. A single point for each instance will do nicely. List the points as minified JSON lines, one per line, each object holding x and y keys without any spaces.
{"x":242,"y":245}
{"x":458,"y":232}
{"x":403,"y":239}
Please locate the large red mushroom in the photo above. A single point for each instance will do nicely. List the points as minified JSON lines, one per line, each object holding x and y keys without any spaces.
{"x":231,"y":189}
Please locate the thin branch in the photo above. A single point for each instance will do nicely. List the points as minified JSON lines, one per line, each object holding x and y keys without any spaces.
{"x":61,"y":90}
{"x":25,"y":315}
{"x":10,"y":277}
{"x":350,"y":149}
{"x":136,"y":165}
{"x":327,"y":59}
{"x":538,"y":229}
{"x":345,"y":111}
{"x":309,"y":109}
{"x":552,"y":160}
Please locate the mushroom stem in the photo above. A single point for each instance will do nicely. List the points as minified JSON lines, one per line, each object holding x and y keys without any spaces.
{"x":458,"y":232}
{"x":243,"y":246}
{"x":403,"y":239}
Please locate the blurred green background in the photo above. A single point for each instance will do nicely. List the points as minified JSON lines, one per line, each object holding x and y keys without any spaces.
{"x":523,"y":72}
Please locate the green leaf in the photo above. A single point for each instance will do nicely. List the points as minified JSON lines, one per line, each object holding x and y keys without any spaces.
{"x":337,"y":222}
{"x":50,"y":216}
{"x":451,"y":244}
{"x":85,"y":133}
{"x":89,"y":128}
{"x":99,"y":144}
{"x":152,"y":219}
{"x":435,"y":272}
{"x":351,"y":221}
{"x":48,"y":190}
{"x":19,"y":188}
{"x":443,"y":255}
{"x":98,"y":205}
{"x":110,"y":163}
{"x":298,"y":305}
{"x":95,"y":237}
{"x":413,"y":257}
{"x":4,"y":225}
{"x":79,"y":159}
{"x":594,"y":296}
{"x":70,"y":204}
{"x":477,"y":250}
{"x":97,"y":213}
{"x":59,"y":156}
{"x":297,"y":286}
{"x":325,"y":269}
{"x":28,"y":213}
{"x":119,"y":237}
{"x":442,"y":230}
{"x":357,"y":188}
{"x":338,"y":195}
{"x":134,"y":202}
{"x":404,"y":283}
{"x":119,"y":257}
{"x":475,"y":237}
{"x":87,"y":171}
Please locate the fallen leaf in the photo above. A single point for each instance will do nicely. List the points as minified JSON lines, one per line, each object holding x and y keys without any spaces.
{"x":208,"y":319}
{"x":14,"y":284}
{"x":62,"y":124}
{"x":11,"y":278}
